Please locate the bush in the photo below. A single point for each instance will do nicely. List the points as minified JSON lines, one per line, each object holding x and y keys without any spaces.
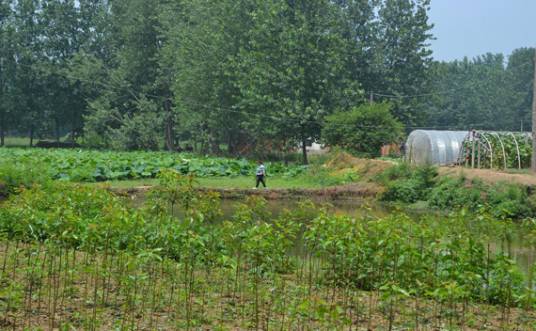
{"x":400,"y":171}
{"x":408,"y":191}
{"x":453,"y":193}
{"x":407,"y":184}
{"x":16,"y":175}
{"x":411,"y":184}
{"x":509,"y":201}
{"x":364,"y":129}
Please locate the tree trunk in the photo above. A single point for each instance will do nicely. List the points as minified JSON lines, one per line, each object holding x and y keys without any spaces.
{"x":2,"y":131}
{"x":57,"y":129}
{"x":231,"y":144}
{"x":533,"y":158}
{"x":170,"y":132}
{"x":31,"y":136}
{"x":215,"y":146}
{"x":304,"y":151}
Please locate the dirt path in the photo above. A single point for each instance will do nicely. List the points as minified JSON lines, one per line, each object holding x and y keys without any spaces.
{"x":357,"y":190}
{"x":490,"y":176}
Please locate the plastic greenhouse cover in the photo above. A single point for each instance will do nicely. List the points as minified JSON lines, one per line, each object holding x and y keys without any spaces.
{"x":434,"y":146}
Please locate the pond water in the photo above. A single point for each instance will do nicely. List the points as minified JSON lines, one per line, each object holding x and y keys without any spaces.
{"x":519,"y":248}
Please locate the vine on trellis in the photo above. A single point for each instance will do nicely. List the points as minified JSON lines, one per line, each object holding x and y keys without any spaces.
{"x":499,"y":150}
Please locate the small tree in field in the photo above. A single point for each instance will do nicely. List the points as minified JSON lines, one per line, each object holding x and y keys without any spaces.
{"x":364,"y":129}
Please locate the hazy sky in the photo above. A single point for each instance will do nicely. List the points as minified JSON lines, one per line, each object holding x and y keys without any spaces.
{"x":474,"y":27}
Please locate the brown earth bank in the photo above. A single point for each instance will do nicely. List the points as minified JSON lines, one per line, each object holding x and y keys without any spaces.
{"x":490,"y":176}
{"x":357,"y":190}
{"x":367,"y":169}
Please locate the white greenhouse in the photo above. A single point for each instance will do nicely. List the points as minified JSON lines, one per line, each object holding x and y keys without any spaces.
{"x":435,"y":147}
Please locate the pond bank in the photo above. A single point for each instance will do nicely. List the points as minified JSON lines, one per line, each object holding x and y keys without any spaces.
{"x":358,"y":190}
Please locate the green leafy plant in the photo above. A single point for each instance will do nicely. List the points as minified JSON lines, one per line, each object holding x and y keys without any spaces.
{"x":363,"y":129}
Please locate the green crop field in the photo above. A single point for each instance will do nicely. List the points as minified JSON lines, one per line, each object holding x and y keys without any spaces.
{"x":78,"y":257}
{"x":96,"y":166}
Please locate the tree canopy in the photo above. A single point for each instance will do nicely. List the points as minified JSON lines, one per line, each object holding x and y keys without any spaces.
{"x":237,"y":76}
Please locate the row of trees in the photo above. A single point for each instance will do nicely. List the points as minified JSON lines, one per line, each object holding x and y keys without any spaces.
{"x":237,"y":75}
{"x":234,"y":76}
{"x":489,"y":92}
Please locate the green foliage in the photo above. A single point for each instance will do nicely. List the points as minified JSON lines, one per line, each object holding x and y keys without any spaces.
{"x":15,"y":176}
{"x":509,"y":201}
{"x":406,"y":184}
{"x":489,"y":95}
{"x":301,"y":261}
{"x":411,"y":184}
{"x":363,"y":129}
{"x":95,"y":166}
{"x":143,"y":75}
{"x":503,"y":150}
{"x":457,"y":193}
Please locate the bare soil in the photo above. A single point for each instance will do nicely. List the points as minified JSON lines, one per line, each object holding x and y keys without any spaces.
{"x":489,"y":176}
{"x":356,"y":190}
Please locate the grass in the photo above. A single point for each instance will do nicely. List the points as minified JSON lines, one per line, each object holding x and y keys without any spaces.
{"x":239,"y":182}
{"x":17,"y":141}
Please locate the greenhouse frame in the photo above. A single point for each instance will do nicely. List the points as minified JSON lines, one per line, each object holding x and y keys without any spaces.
{"x":475,"y":149}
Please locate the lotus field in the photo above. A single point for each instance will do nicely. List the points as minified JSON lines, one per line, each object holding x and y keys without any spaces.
{"x":95,"y":166}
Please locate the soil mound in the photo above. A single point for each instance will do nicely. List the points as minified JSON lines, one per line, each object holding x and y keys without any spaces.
{"x":343,"y":162}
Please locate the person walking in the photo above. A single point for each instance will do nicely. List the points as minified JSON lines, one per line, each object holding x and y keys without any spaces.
{"x":261,"y":174}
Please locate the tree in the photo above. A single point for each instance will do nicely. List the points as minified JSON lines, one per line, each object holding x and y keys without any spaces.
{"x":227,"y":76}
{"x":131,"y":88}
{"x":482,"y":93}
{"x":7,"y":66}
{"x":520,"y":71}
{"x":404,"y":33}
{"x":292,"y":72}
{"x":364,"y":129}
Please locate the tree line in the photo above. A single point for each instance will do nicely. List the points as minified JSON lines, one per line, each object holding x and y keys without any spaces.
{"x":236,"y":76}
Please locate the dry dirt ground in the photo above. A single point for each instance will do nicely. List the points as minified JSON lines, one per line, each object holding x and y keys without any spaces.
{"x":489,"y":176}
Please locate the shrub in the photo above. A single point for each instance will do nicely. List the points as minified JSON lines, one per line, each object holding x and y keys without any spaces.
{"x":509,"y":201}
{"x":400,"y":171}
{"x":17,"y":175}
{"x":407,"y":191}
{"x":407,"y":184}
{"x":453,"y":193}
{"x":364,"y":129}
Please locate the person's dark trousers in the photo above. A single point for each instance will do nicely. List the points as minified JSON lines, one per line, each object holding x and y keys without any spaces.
{"x":260,"y":179}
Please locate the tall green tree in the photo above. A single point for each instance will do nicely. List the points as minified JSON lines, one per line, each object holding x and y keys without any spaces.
{"x":28,"y":43}
{"x":127,"y":112}
{"x":404,"y":35}
{"x":520,"y":71}
{"x":292,"y":71}
{"x":7,"y":68}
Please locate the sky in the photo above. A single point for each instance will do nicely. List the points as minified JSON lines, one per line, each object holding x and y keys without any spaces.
{"x":474,"y":27}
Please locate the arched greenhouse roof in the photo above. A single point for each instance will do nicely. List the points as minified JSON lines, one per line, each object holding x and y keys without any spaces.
{"x":434,"y":147}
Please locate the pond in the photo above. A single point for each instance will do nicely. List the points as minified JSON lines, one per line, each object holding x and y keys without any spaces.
{"x":518,"y":247}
